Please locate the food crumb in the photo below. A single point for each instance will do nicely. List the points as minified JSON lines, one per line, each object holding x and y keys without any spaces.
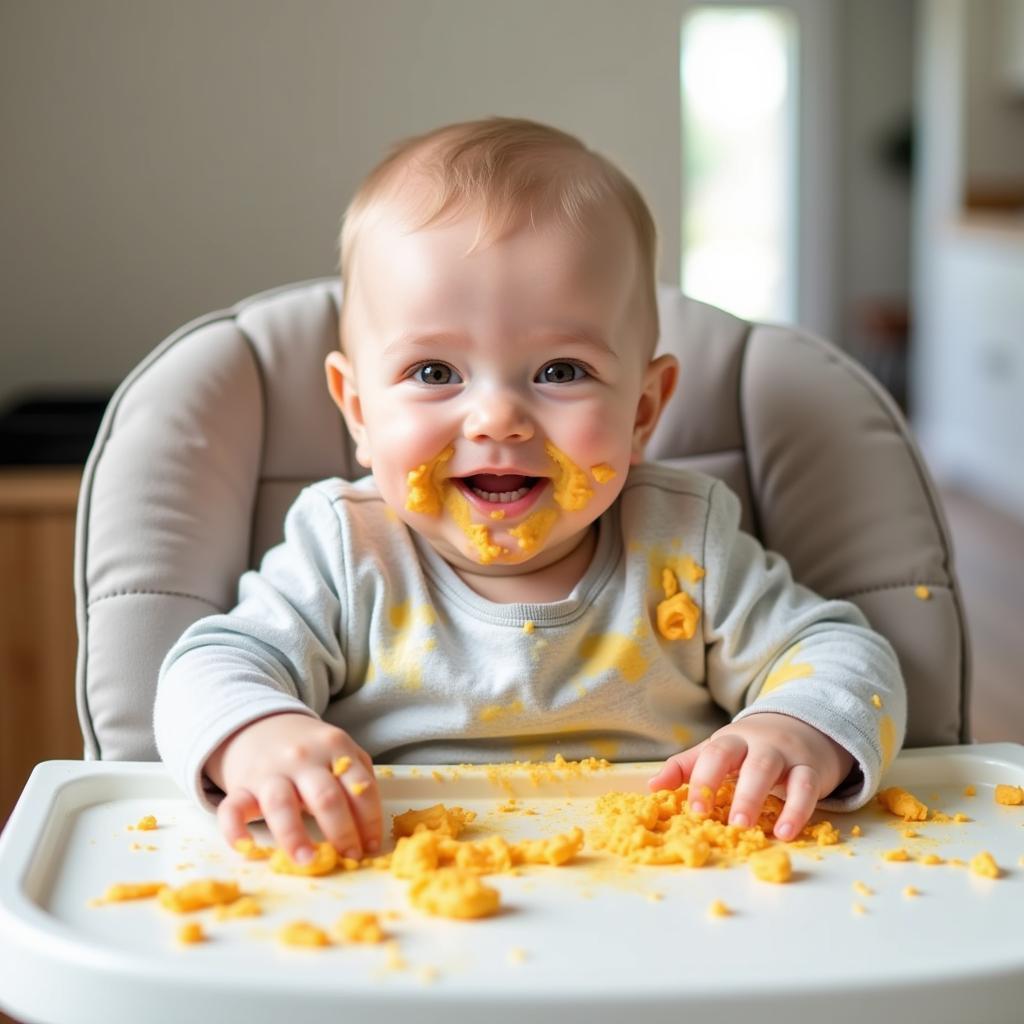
{"x":147,"y":823}
{"x":772,"y":865}
{"x":516,"y":955}
{"x":970,"y":791}
{"x":922,"y":593}
{"x":359,"y":788}
{"x":930,"y":859}
{"x":303,"y":934}
{"x":191,"y":933}
{"x":909,"y":833}
{"x":360,"y":926}
{"x":863,"y":889}
{"x":856,"y":831}
{"x":984,"y":864}
{"x":897,"y":854}
{"x":341,"y":766}
{"x":903,"y":804}
{"x":1009,"y":796}
{"x":859,"y":909}
{"x":910,"y":891}
{"x":876,"y":700}
{"x":718,"y":909}
{"x":528,"y":626}
{"x":244,"y":906}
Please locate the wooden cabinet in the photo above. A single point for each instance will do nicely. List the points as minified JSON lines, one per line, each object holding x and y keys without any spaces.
{"x":38,"y":640}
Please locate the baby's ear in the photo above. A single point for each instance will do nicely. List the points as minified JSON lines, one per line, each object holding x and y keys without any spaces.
{"x":659,"y":382}
{"x":341,"y":383}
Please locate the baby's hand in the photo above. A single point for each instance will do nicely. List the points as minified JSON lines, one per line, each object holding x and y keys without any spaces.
{"x":767,"y":750}
{"x":276,"y":767}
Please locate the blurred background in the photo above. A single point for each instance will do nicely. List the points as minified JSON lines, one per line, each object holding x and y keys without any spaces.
{"x":852,"y":166}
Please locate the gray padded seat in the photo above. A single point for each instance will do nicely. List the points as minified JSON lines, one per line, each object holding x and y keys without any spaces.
{"x":207,"y":442}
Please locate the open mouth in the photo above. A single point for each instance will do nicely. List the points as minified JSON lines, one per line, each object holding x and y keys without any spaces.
{"x":511,"y":491}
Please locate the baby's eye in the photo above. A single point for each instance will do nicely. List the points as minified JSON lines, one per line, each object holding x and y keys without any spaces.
{"x":561,"y":371}
{"x":435,"y":373}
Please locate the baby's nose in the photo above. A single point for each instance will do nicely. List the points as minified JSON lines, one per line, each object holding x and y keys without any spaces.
{"x":498,"y":417}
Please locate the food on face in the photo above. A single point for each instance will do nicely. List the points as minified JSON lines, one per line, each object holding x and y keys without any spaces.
{"x":602,"y":472}
{"x":478,"y":535}
{"x":533,"y":531}
{"x":425,"y":490}
{"x":903,"y":804}
{"x":198,"y":895}
{"x":572,"y":492}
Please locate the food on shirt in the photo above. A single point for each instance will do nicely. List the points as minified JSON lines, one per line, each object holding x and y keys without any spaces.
{"x":772,"y":865}
{"x":191,"y":933}
{"x":360,"y":926}
{"x":528,"y":626}
{"x":1009,"y":796}
{"x":572,"y":491}
{"x":450,"y":892}
{"x":303,"y":934}
{"x":325,"y":860}
{"x":602,"y":473}
{"x":446,"y":821}
{"x":198,"y":895}
{"x":876,"y":700}
{"x":677,"y":616}
{"x":984,"y":864}
{"x":425,"y":485}
{"x":903,"y":804}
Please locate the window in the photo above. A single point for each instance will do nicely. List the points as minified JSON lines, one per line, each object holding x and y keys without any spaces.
{"x":739,"y":231}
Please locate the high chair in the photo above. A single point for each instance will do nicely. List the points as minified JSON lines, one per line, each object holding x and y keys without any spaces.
{"x":207,"y":442}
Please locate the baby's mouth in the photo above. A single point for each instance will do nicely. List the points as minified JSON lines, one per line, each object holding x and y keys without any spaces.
{"x":501,"y":489}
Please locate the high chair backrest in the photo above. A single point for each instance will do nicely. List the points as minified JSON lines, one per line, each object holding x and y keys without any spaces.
{"x":207,"y":442}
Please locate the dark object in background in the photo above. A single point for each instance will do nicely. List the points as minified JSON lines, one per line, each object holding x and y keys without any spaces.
{"x":48,"y":430}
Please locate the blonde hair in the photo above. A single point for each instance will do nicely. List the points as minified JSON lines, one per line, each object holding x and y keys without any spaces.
{"x":507,"y":168}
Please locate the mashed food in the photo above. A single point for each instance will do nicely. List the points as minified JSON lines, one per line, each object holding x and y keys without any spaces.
{"x":450,"y":892}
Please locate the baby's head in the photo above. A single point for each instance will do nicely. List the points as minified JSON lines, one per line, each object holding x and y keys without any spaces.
{"x":497,"y":336}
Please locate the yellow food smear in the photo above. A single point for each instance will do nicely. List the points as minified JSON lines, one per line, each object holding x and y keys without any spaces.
{"x":772,"y":865}
{"x":887,"y":740}
{"x":479,"y":536}
{"x":425,"y":487}
{"x":341,"y":766}
{"x":491,"y":712}
{"x":786,"y":670}
{"x":533,"y":531}
{"x":602,"y":472}
{"x":528,"y":626}
{"x":971,"y":791}
{"x":718,"y":909}
{"x":191,"y":933}
{"x":922,"y":593}
{"x":613,"y":652}
{"x":1009,"y":796}
{"x":245,"y":906}
{"x":876,"y":700}
{"x":445,"y":821}
{"x":358,"y":788}
{"x":360,"y":926}
{"x":450,"y":892}
{"x":669,"y":583}
{"x":498,"y":513}
{"x":303,"y":934}
{"x":121,"y":892}
{"x":984,"y":864}
{"x":903,"y":804}
{"x":251,"y":850}
{"x":146,"y":823}
{"x":325,"y":860}
{"x":572,"y":491}
{"x":198,"y":895}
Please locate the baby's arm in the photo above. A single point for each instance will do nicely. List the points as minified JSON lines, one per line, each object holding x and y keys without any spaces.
{"x":813,"y":690}
{"x":276,"y":767}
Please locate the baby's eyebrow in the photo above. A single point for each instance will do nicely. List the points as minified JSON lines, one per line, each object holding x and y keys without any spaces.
{"x":581,"y":335}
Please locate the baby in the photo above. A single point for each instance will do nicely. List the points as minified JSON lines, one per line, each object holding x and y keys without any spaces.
{"x":512,"y":581}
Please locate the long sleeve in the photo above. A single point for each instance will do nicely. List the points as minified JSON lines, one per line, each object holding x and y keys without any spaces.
{"x":773,"y":645}
{"x":279,"y":649}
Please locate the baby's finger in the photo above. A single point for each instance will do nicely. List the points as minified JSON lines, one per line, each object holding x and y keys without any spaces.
{"x":283,"y":815}
{"x":762,"y":769}
{"x":235,"y":811}
{"x":676,"y":769}
{"x":364,"y":798}
{"x":722,"y":756}
{"x":328,"y":802}
{"x":802,"y":786}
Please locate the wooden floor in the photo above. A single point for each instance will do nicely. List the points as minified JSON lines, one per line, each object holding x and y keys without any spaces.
{"x":988,"y":549}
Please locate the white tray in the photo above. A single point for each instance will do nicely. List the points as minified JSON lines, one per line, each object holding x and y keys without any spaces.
{"x":599,"y":946}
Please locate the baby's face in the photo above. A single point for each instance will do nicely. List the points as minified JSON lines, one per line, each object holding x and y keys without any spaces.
{"x":498,"y":398}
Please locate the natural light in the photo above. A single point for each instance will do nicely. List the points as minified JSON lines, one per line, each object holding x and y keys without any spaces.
{"x":738,"y":72}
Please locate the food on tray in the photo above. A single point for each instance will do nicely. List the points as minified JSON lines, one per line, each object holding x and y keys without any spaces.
{"x":910,"y":891}
{"x":446,"y":821}
{"x":772,"y":865}
{"x":121,"y":892}
{"x":903,"y":804}
{"x":718,"y":909}
{"x":303,"y":933}
{"x":325,"y":860}
{"x":244,"y":906}
{"x":198,"y":895}
{"x":450,"y":892}
{"x":360,"y":926}
{"x":191,"y":932}
{"x":147,"y":823}
{"x":984,"y":864}
{"x":899,"y":854}
{"x":251,"y":850}
{"x":1010,"y":796}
